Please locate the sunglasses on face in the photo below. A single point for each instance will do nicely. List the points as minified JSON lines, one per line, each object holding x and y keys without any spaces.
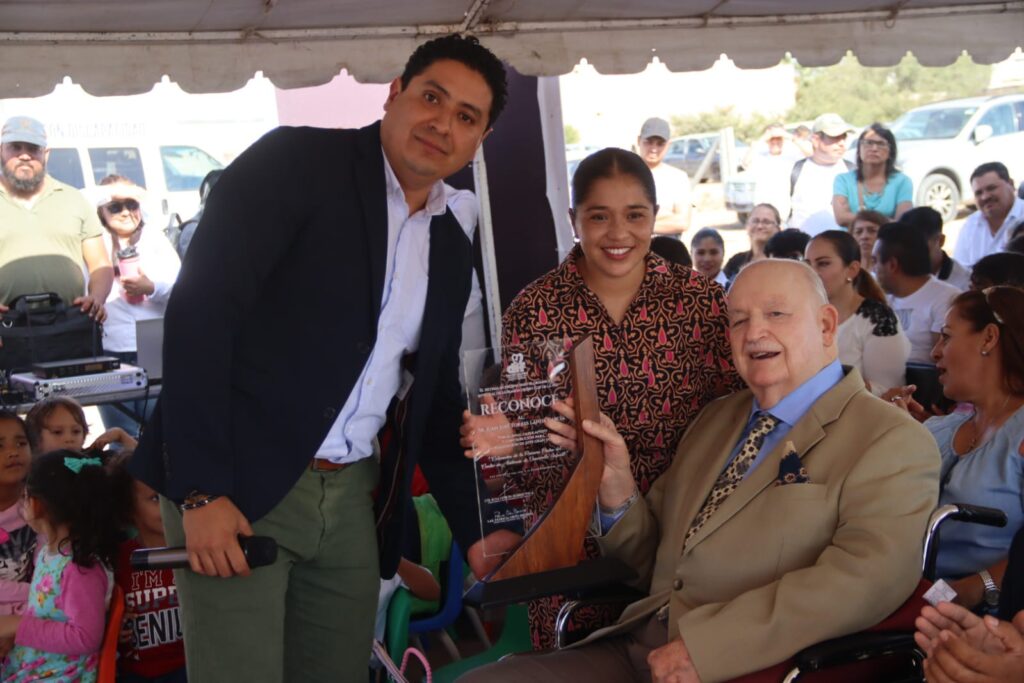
{"x":119,"y":206}
{"x":877,"y":144}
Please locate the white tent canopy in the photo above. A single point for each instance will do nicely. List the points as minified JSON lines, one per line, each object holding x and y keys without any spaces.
{"x":124,"y":46}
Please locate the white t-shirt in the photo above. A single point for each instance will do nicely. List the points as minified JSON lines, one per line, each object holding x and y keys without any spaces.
{"x":160,"y":263}
{"x":673,"y":188}
{"x":959,"y":276}
{"x":819,"y":222}
{"x":813,"y":191}
{"x":923,"y":313}
{"x":976,"y":240}
{"x":771,"y":178}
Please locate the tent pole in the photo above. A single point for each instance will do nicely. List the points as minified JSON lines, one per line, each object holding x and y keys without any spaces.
{"x":549,"y":98}
{"x":490,"y":263}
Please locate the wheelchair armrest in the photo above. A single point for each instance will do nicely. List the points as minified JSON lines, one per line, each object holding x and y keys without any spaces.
{"x":618,"y":594}
{"x":573,"y":582}
{"x":854,"y":648}
{"x":960,"y":512}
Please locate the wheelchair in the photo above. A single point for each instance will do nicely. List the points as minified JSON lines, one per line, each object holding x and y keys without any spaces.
{"x":890,"y":641}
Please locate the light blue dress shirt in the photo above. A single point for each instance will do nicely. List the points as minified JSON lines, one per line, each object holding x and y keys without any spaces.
{"x":788,"y":411}
{"x":401,"y":317}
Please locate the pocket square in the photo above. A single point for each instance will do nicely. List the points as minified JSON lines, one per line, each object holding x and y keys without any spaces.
{"x":791,"y":469}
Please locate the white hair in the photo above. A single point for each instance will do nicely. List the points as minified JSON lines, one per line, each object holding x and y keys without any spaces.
{"x":816,"y":285}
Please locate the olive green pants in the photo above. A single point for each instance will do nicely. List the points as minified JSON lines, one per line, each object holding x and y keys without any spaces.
{"x":307,"y":618}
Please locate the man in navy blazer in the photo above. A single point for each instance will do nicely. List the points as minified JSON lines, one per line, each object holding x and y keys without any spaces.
{"x":322,"y":296}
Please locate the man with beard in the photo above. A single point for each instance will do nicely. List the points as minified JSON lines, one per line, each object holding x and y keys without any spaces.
{"x":47,"y":229}
{"x":322,"y":297}
{"x":672,"y":185}
{"x":987,"y":230}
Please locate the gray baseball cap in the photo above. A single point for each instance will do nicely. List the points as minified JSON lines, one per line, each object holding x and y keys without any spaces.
{"x":23,"y":129}
{"x":655,"y":128}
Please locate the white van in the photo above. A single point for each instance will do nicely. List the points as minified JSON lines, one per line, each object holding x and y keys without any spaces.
{"x":170,"y":173}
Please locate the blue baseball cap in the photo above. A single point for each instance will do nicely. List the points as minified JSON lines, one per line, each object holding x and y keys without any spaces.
{"x":23,"y":129}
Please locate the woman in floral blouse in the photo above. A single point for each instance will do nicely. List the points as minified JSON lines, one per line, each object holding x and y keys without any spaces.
{"x":659,"y":329}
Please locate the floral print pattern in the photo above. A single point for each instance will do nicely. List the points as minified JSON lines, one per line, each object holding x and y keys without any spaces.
{"x":25,"y":664}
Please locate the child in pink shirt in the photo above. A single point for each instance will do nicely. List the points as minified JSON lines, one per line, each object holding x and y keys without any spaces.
{"x":17,"y":539}
{"x":71,"y":501}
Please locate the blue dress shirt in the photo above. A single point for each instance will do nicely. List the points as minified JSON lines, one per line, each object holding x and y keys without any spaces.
{"x":788,"y":411}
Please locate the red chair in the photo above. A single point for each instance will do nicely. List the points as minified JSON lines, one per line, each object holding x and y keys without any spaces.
{"x":866,"y":656}
{"x":108,"y":651}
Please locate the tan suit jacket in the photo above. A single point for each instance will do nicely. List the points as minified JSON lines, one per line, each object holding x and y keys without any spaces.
{"x":779,"y":568}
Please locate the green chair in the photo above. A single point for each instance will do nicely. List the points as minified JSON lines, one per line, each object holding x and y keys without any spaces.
{"x":515,"y":637}
{"x":435,"y":549}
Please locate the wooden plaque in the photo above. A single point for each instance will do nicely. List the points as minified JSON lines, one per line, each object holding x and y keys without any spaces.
{"x":556,"y":541}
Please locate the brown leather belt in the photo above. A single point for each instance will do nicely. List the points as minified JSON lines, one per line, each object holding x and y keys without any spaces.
{"x":321,"y":465}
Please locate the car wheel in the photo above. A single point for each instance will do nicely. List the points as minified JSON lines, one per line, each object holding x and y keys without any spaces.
{"x":940,"y":192}
{"x":742,"y":216}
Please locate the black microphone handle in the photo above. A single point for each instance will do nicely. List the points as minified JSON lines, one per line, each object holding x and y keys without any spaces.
{"x":259,"y":551}
{"x":160,"y":558}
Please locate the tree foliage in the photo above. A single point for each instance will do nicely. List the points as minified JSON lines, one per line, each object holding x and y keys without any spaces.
{"x":860,"y":94}
{"x":572,"y":135}
{"x":745,"y":127}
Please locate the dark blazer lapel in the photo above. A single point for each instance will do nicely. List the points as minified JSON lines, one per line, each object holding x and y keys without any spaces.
{"x":370,"y":180}
{"x":441,"y":274}
{"x":804,"y":435}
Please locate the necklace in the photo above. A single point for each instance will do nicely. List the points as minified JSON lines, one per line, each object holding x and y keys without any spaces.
{"x":979,"y":433}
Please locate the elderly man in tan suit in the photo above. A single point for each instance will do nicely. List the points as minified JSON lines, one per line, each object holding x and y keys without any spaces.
{"x":794,"y":512}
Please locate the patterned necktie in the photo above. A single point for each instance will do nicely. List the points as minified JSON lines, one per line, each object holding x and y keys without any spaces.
{"x":730,"y":479}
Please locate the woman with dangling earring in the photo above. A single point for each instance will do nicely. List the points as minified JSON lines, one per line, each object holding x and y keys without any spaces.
{"x":980,"y":358}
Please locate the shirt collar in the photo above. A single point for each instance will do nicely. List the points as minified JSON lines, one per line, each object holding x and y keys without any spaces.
{"x":1015,"y":214}
{"x":49,"y":187}
{"x":436,"y":199}
{"x":796,"y":404}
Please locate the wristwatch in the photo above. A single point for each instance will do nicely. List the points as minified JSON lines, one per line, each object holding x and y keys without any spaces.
{"x":196,"y":500}
{"x":991,"y":589}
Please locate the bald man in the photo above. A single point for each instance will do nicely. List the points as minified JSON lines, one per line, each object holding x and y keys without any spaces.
{"x":794,"y":511}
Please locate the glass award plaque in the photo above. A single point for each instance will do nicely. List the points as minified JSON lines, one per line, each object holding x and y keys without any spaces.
{"x":536,"y":500}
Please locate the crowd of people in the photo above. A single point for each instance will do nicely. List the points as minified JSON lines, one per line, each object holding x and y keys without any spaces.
{"x":768,"y":463}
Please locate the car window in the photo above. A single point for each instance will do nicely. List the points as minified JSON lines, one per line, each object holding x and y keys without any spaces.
{"x":1001,"y":118}
{"x":1018,"y":114}
{"x":64,"y":165}
{"x":122,"y":161}
{"x":932,"y":124}
{"x":186,"y":166}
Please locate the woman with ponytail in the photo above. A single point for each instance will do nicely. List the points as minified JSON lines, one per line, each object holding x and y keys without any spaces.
{"x":870,"y":337}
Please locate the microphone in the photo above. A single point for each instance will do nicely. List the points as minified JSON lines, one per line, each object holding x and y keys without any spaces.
{"x":259,"y":551}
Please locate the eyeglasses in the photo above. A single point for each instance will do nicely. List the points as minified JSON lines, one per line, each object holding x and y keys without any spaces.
{"x":876,"y":144}
{"x":762,"y":221}
{"x":988,"y":301}
{"x":119,"y":206}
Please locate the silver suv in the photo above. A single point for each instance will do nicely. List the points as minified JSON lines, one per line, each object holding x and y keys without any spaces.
{"x":941,"y":144}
